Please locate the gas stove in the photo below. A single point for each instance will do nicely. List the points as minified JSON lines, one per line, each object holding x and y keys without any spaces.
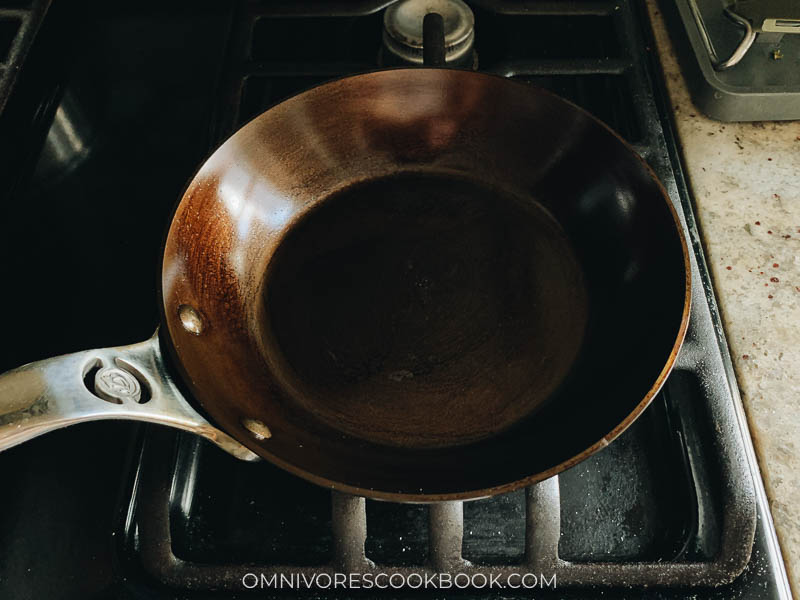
{"x":107,"y":127}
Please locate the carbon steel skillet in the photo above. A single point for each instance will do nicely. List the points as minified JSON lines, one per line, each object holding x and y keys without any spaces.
{"x":415,"y":284}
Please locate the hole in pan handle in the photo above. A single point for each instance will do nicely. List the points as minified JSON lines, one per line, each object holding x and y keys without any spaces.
{"x":126,"y":382}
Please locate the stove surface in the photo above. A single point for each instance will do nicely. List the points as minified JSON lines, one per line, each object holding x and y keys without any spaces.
{"x":101,"y":134}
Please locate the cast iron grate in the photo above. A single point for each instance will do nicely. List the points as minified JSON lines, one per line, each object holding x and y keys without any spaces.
{"x":19,"y":22}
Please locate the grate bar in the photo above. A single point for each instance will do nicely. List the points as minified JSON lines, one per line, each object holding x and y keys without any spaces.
{"x":30,"y":19}
{"x":14,"y":13}
{"x":302,"y":69}
{"x":323,"y":8}
{"x":545,"y":8}
{"x":349,"y":523}
{"x":578,"y":66}
{"x":316,"y":8}
{"x":542,"y":524}
{"x":447,"y":534}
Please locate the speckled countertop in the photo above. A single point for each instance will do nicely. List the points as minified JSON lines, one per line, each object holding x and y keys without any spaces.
{"x":745,"y":178}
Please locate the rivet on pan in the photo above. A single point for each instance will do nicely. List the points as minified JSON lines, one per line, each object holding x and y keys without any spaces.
{"x":190,"y":319}
{"x":257,"y":428}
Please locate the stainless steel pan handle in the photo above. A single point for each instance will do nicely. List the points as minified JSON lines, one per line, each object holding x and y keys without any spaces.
{"x":127,"y":382}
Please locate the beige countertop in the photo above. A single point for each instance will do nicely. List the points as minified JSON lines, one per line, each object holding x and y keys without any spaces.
{"x":745,"y":178}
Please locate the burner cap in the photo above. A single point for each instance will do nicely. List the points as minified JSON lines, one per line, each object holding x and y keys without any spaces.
{"x":402,"y":29}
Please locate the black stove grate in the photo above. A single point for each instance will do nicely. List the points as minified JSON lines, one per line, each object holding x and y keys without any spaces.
{"x":19,"y":23}
{"x":671,"y":504}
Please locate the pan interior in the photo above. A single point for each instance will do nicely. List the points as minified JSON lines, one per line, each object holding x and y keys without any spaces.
{"x":424,"y":310}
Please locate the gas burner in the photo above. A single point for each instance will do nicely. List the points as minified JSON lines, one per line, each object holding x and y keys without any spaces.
{"x":403,"y":34}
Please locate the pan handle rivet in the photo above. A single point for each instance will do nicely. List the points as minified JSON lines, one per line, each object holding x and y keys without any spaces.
{"x":257,"y":428}
{"x":190,"y":319}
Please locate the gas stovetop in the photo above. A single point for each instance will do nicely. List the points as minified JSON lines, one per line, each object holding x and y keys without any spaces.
{"x":106,"y":130}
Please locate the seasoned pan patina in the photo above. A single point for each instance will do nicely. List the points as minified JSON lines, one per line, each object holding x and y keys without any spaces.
{"x":424,"y":284}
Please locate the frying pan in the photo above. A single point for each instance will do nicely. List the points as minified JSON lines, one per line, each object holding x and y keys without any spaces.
{"x":412,"y":284}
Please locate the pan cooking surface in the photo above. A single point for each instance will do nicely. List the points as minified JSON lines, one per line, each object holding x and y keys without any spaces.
{"x":424,"y":310}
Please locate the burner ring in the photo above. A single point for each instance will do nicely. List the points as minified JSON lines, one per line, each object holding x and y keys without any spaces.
{"x":402,"y":31}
